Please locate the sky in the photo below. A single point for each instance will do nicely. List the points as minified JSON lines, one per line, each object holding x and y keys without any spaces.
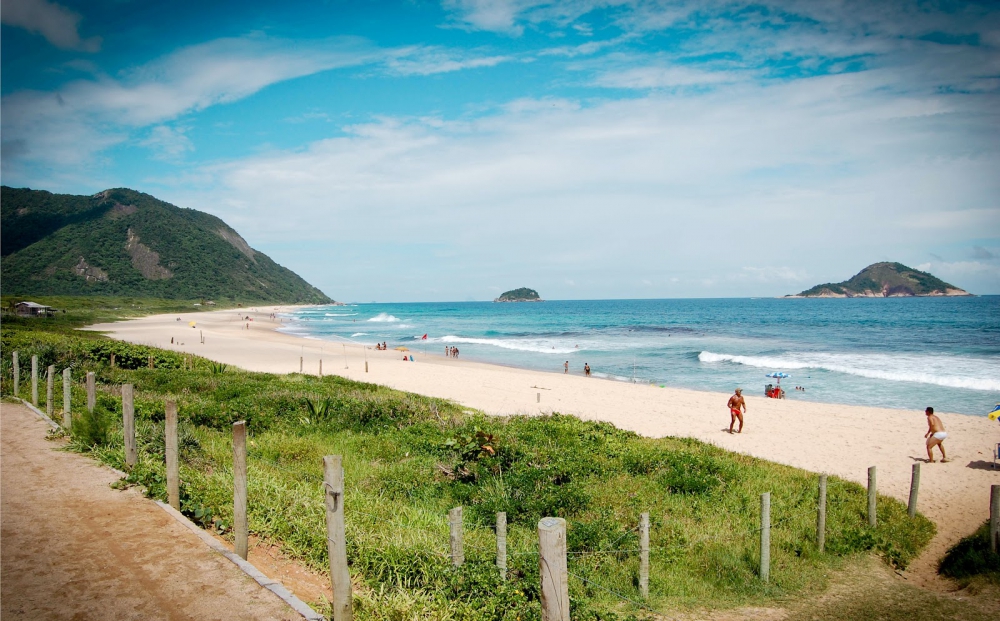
{"x":452,"y":150}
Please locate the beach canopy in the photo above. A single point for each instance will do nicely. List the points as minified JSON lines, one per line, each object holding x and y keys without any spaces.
{"x":778,"y":375}
{"x":191,"y":323}
{"x":401,"y":348}
{"x":995,"y":414}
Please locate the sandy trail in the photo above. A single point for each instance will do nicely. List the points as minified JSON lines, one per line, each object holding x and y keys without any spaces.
{"x":836,"y":439}
{"x":73,"y":548}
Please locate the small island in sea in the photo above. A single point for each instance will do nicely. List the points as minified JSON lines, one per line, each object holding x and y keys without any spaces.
{"x":523,"y":294}
{"x":885,"y":280}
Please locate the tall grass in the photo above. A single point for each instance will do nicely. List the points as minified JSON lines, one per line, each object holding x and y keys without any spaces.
{"x":408,"y":459}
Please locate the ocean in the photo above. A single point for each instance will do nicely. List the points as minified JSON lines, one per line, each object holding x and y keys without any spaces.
{"x":887,"y":352}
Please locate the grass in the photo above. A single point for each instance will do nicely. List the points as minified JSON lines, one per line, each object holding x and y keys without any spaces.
{"x":971,"y":562}
{"x":408,"y":459}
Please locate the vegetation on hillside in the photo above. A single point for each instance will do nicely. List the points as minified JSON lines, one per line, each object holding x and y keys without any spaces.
{"x":123,"y":242}
{"x":408,"y":459}
{"x":523,"y":294}
{"x":886,"y":279}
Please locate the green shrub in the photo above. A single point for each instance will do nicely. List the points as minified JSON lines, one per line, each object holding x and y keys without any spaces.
{"x":972,"y":557}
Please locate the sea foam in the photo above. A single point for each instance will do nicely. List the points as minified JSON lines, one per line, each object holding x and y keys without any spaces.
{"x":384,"y":318}
{"x":539,"y":347}
{"x":951,"y":371}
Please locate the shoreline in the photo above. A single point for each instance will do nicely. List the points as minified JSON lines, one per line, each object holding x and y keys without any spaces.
{"x":841,"y":440}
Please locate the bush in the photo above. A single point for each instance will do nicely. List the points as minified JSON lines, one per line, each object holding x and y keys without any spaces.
{"x":93,"y":429}
{"x":972,"y":557}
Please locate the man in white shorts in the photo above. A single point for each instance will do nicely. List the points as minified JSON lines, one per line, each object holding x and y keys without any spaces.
{"x":935,"y":435}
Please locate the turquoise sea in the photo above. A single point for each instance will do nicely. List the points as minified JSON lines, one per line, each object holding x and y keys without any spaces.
{"x":890,"y":352}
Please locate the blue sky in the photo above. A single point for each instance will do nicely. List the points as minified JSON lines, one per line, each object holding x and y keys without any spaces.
{"x":451,"y":150}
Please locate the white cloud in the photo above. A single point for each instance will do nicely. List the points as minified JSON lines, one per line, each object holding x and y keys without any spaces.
{"x":427,"y":60}
{"x":168,"y":143}
{"x":53,"y":21}
{"x":663,"y":77}
{"x":810,"y":177}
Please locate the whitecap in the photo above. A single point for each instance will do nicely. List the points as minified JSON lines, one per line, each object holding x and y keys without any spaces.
{"x":951,"y":371}
{"x":356,"y":334}
{"x":537,"y":346}
{"x":384,"y":318}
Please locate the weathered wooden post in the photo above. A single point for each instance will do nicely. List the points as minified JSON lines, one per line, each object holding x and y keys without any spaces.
{"x":911,"y":509}
{"x":502,"y":544}
{"x":128,"y":425}
{"x":321,"y":367}
{"x":366,"y":366}
{"x":17,"y":374}
{"x":112,"y":361}
{"x":765,"y":536}
{"x":871,"y":497}
{"x":552,"y":569}
{"x":34,"y":381}
{"x":821,"y":516}
{"x":50,"y":383}
{"x":91,"y":391}
{"x":336,"y":544}
{"x":995,"y":518}
{"x":455,"y":537}
{"x":644,"y":555}
{"x":538,"y":397}
{"x":150,"y":362}
{"x":241,"y":528}
{"x":173,"y":475}
{"x":67,"y":398}
{"x":300,"y":363}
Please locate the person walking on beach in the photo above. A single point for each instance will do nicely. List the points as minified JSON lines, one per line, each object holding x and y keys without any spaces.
{"x":935,"y":435}
{"x":737,"y":407}
{"x":586,"y":369}
{"x":566,"y":367}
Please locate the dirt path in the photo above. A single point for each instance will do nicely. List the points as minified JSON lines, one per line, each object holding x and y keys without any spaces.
{"x":73,"y":548}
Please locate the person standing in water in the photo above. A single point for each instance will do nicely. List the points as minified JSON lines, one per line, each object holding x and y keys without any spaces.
{"x":737,"y":407}
{"x":566,"y":367}
{"x":586,"y":369}
{"x":935,"y":435}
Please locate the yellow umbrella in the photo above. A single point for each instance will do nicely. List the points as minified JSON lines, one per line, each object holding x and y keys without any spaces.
{"x":401,"y":348}
{"x":191,"y":323}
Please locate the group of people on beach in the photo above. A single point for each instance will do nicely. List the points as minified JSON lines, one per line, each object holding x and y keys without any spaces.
{"x":935,"y":435}
{"x":586,"y":368}
{"x":381,"y":346}
{"x":451,"y":352}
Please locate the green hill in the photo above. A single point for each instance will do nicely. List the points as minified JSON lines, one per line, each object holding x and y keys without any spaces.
{"x":523,"y":294}
{"x":123,"y":242}
{"x":887,"y":280}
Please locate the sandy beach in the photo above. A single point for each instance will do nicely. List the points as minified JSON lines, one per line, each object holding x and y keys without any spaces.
{"x":836,"y":439}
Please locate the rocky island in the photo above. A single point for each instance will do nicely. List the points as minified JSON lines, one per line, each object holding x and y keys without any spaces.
{"x":523,"y":294}
{"x":885,"y":280}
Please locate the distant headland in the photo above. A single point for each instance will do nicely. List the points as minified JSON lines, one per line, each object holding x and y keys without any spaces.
{"x":523,"y":294}
{"x":885,"y":280}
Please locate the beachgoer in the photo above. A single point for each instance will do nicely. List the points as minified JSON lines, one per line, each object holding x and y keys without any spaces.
{"x":384,"y":347}
{"x":737,"y":407}
{"x":586,"y":369}
{"x":935,"y":435}
{"x":456,"y":352}
{"x":566,"y":367}
{"x":446,"y":351}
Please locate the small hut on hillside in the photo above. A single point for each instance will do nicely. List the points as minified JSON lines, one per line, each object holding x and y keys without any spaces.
{"x":33,"y":309}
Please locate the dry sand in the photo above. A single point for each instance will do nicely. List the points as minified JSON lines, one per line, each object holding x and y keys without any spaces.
{"x":835,"y":439}
{"x":73,"y":548}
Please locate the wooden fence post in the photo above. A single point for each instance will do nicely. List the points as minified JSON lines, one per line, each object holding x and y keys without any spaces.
{"x":112,"y":361}
{"x":67,"y":398}
{"x":821,"y":516}
{"x":502,"y":544}
{"x":336,"y":544}
{"x":995,"y":518}
{"x":538,"y":397}
{"x":300,"y":364}
{"x":128,"y":425}
{"x":34,"y":381}
{"x":914,"y":490}
{"x":765,"y":536}
{"x":173,"y":476}
{"x":17,"y":374}
{"x":50,"y":383}
{"x":366,"y":366}
{"x":91,"y":391}
{"x":241,"y":528}
{"x":552,"y":569}
{"x":150,"y":362}
{"x":871,"y":497}
{"x":455,"y":537}
{"x":321,"y":367}
{"x":644,"y":555}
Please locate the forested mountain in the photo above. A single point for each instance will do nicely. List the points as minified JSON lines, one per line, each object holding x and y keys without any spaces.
{"x":123,"y":242}
{"x":885,"y":280}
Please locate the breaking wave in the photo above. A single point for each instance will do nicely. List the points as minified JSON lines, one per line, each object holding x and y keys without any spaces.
{"x":540,"y":347}
{"x":951,"y":371}
{"x":384,"y":318}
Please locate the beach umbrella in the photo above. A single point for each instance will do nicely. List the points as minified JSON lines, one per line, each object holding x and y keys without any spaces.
{"x":191,"y":323}
{"x":401,"y":348}
{"x":778,"y":375}
{"x":995,"y":414}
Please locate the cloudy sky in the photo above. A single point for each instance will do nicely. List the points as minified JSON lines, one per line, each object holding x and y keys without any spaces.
{"x":451,"y":150}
